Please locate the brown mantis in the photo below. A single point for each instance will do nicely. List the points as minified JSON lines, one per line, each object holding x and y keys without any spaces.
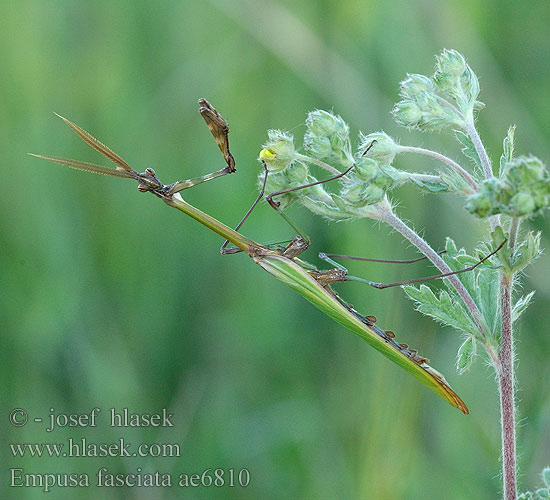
{"x":283,"y":262}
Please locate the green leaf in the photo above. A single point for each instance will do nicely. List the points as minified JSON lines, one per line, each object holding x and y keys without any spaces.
{"x":465,"y":356}
{"x":519,"y":308}
{"x":455,"y":182}
{"x":497,"y":237}
{"x":526,"y":252}
{"x":432,"y":187}
{"x":468,"y":149}
{"x":488,"y":287}
{"x":443,"y":308}
{"x":507,"y":149}
{"x":482,"y":283}
{"x":340,"y":203}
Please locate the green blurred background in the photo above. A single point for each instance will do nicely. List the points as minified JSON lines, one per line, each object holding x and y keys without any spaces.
{"x":110,"y":299}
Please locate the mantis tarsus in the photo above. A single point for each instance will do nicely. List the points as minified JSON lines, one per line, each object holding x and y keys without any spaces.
{"x":282,"y":262}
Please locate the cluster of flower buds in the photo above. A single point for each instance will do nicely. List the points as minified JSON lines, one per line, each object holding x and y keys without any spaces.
{"x":369,"y":181}
{"x":447,"y":98}
{"x":522,"y":190}
{"x":327,"y":138}
{"x":327,"y":144}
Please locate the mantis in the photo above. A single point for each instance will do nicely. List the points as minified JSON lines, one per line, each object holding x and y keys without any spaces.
{"x":282,"y":262}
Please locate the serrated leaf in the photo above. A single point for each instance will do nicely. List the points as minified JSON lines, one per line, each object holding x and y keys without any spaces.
{"x":488,"y":286}
{"x":543,"y":494}
{"x":507,"y":149}
{"x":455,"y":182}
{"x":465,"y":356}
{"x":482,"y":283}
{"x":519,"y":308}
{"x":339,"y":202}
{"x":497,"y":237}
{"x":468,"y":149}
{"x":443,"y":308}
{"x":432,"y":187}
{"x":526,"y":252}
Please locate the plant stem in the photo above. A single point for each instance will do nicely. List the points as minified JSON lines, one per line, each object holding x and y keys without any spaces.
{"x":504,"y":363}
{"x":480,"y":149}
{"x":445,"y":159}
{"x":319,"y":163}
{"x":484,"y":159}
{"x":505,"y":376}
{"x":387,"y":215}
{"x":514,"y":228}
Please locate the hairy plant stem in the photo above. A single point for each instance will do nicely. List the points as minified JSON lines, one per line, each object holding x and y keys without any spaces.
{"x":484,"y":159}
{"x":505,"y":376}
{"x":319,"y":163}
{"x":388,"y":216}
{"x":445,"y":159}
{"x":480,"y":149}
{"x":504,"y":362}
{"x":514,"y":228}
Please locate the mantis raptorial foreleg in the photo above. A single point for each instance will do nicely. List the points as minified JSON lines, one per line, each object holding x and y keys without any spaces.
{"x":220,"y":130}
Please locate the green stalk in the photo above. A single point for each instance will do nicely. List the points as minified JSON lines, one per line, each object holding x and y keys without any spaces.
{"x":213,"y":224}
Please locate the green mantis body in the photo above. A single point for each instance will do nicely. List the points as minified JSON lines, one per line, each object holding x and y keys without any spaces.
{"x":282,"y":263}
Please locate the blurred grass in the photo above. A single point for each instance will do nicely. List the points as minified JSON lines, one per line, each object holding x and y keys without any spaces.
{"x":110,"y":299}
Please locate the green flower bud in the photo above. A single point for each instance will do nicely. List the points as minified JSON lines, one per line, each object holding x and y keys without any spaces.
{"x":383,"y":150}
{"x":389,"y":177}
{"x":523,"y":190}
{"x":455,"y":79}
{"x":521,"y":204}
{"x":541,"y":195}
{"x":450,"y":67}
{"x":407,"y":113}
{"x":451,"y":61}
{"x":525,"y":170}
{"x":293,"y":176}
{"x":446,"y":99}
{"x":359,"y":194}
{"x":426,"y":112}
{"x":529,"y":183}
{"x":436,"y":115}
{"x":297,"y":175}
{"x":323,"y":123}
{"x":327,"y":137}
{"x":484,"y":203}
{"x":414,"y":85}
{"x":278,"y":152}
{"x":373,"y":194}
{"x":365,"y":169}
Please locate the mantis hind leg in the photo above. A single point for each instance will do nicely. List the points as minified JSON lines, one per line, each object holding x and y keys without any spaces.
{"x":329,"y":258}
